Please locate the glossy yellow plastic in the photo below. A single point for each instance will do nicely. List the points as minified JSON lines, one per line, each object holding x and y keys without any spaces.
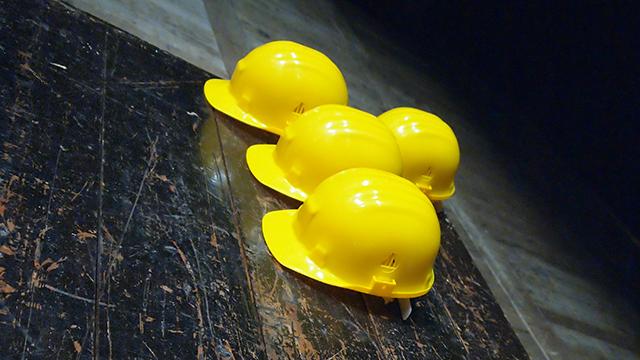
{"x":275,"y":83}
{"x":322,"y":142}
{"x":362,"y":229}
{"x":429,"y":148}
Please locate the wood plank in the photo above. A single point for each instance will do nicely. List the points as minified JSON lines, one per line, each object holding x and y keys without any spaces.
{"x":48,"y":181}
{"x":458,"y":318}
{"x":301,"y":318}
{"x":111,"y":159}
{"x":173,"y":283}
{"x":171,"y":265}
{"x":474,"y":312}
{"x":452,"y":321}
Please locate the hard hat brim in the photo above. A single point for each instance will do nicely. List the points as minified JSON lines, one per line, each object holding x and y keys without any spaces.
{"x":285,"y":246}
{"x":287,"y":249}
{"x":443,"y":195}
{"x":218,"y":94}
{"x":262,"y":165}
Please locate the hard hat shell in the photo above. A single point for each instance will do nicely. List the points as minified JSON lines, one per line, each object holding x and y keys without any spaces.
{"x":275,"y":83}
{"x":361,"y":229}
{"x":322,"y":142}
{"x":429,"y":148}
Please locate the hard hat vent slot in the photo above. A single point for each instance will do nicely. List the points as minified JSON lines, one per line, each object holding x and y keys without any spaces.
{"x":299,"y":109}
{"x":390,"y":264}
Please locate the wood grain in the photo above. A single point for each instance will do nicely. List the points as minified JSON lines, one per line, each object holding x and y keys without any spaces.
{"x":130,"y":224}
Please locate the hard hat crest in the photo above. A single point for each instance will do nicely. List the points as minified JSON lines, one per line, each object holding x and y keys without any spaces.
{"x":429,"y":148}
{"x":275,"y":83}
{"x":322,"y":142}
{"x":361,"y":229}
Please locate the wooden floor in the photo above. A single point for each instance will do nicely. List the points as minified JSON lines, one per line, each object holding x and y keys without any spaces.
{"x":130,"y":225}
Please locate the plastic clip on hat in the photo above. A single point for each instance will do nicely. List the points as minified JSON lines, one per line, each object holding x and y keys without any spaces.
{"x":275,"y":83}
{"x":429,"y":148}
{"x":362,"y":229}
{"x":322,"y":142}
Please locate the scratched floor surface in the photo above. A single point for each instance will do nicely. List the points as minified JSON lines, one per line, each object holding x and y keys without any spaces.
{"x":130,"y":225}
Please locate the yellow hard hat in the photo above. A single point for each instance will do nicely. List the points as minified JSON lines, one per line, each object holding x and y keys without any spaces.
{"x":322,"y":142}
{"x":275,"y":83}
{"x":429,"y":148}
{"x":362,"y":229}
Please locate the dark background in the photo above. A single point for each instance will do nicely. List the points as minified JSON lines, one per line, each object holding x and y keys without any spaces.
{"x":555,"y":85}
